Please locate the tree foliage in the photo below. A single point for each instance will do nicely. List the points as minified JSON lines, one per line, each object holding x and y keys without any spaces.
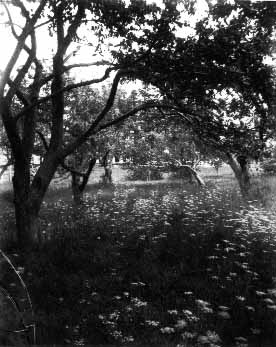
{"x":48,"y":84}
{"x":139,"y":41}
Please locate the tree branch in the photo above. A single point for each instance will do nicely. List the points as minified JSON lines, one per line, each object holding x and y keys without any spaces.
{"x":43,"y":140}
{"x":72,"y":170}
{"x":94,"y":127}
{"x":22,"y":7}
{"x":97,"y":63}
{"x":12,"y":24}
{"x":65,"y":89}
{"x":21,"y":42}
{"x":69,"y":67}
{"x":41,"y":24}
{"x":4,"y":167}
{"x":21,"y":96}
{"x":17,"y":81}
{"x":71,"y":32}
{"x":130,"y":113}
{"x":88,"y":172}
{"x":46,"y":146}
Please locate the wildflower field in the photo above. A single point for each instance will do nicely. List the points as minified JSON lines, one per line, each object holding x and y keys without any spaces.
{"x":154,"y":264}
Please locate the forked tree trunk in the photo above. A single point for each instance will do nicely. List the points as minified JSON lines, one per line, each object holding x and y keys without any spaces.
{"x":28,"y":197}
{"x":241,"y":171}
{"x":79,"y":182}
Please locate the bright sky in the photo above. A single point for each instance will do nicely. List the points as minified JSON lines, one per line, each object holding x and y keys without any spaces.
{"x":46,"y":44}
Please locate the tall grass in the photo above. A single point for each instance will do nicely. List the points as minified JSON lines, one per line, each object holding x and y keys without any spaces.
{"x":161,"y":264}
{"x":18,"y":326}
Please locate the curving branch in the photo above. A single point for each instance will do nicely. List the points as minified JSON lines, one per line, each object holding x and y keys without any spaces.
{"x":21,"y":96}
{"x":4,"y":167}
{"x":94,"y":127}
{"x":87,"y":174}
{"x":24,"y":11}
{"x":43,"y":140}
{"x":10,"y":22}
{"x":142,"y":107}
{"x":192,"y":172}
{"x":21,"y":42}
{"x":112,"y":94}
{"x":72,"y":30}
{"x":67,"y":88}
{"x":65,"y":166}
{"x":97,"y":63}
{"x":49,"y":77}
{"x":17,"y":81}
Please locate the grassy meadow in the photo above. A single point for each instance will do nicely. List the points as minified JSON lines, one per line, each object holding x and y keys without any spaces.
{"x":164,"y":264}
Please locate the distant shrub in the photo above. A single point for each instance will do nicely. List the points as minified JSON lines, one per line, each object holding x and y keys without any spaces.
{"x":181,"y":173}
{"x":144,"y":173}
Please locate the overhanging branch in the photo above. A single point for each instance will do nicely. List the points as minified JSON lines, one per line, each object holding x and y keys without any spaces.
{"x":94,"y":127}
{"x":65,"y":89}
{"x":142,"y":107}
{"x":65,"y":166}
{"x":97,"y":63}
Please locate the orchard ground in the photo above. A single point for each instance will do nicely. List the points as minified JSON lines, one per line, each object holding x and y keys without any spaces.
{"x":147,"y":263}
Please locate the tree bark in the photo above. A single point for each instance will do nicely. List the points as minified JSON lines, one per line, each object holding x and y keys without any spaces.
{"x":29,"y":194}
{"x":191,"y":172}
{"x":27,"y":224}
{"x":24,"y":216}
{"x":107,"y":164}
{"x":108,"y":174}
{"x":28,"y":197}
{"x":195,"y":175}
{"x":77,"y":190}
{"x":79,"y":182}
{"x":241,"y":171}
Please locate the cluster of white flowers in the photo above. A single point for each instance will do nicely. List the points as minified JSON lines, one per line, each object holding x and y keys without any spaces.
{"x":138,"y":303}
{"x":211,"y":338}
{"x":204,"y":306}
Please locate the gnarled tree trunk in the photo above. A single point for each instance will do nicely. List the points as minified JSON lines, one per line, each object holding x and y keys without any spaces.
{"x":79,"y":182}
{"x":240,"y":168}
{"x":76,"y":188}
{"x":107,"y":164}
{"x":192,"y":174}
{"x":28,"y":197}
